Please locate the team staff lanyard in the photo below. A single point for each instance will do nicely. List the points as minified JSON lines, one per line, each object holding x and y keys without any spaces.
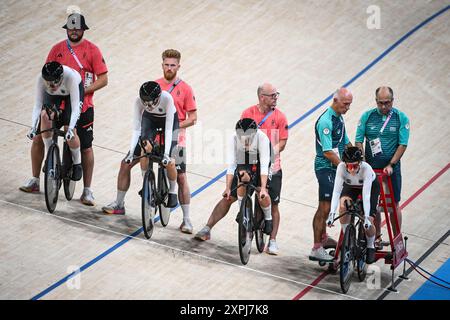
{"x":386,"y":122}
{"x":74,"y":54}
{"x":265,"y":118}
{"x":173,"y":86}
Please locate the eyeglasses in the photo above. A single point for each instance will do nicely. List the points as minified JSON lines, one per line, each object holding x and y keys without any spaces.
{"x":272,"y":95}
{"x":352,"y":166}
{"x":383,"y":103}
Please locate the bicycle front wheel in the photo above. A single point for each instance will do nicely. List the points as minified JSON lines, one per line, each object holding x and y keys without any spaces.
{"x":148,"y":206}
{"x":347,"y":258}
{"x":52,"y":181}
{"x":245,"y":232}
{"x":163,"y":189}
{"x":69,"y":184}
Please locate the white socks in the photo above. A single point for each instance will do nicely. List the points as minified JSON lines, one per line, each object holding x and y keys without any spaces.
{"x":185,"y":209}
{"x":76,"y":155}
{"x":267,"y":212}
{"x":120,"y":197}
{"x":173,"y":187}
{"x":371,"y":242}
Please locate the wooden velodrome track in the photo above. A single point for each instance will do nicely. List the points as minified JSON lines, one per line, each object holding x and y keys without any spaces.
{"x":307,"y":50}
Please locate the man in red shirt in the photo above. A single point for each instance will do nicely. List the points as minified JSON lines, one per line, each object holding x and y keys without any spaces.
{"x":272,"y":122}
{"x":186,"y":106}
{"x":85,"y":57}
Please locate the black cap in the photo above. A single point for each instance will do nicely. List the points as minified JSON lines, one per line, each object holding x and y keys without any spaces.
{"x":76,"y":21}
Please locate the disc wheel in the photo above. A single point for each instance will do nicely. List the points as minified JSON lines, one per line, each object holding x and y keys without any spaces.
{"x":52,"y":182}
{"x":148,"y":207}
{"x":69,"y":184}
{"x":259,"y":227}
{"x":163,"y":189}
{"x":245,"y":232}
{"x":361,"y":265}
{"x":347,"y":259}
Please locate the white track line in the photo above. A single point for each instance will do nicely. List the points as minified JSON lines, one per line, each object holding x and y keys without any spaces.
{"x":182,"y":251}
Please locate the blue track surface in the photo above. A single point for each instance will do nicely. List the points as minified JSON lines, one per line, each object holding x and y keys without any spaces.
{"x":431,"y":291}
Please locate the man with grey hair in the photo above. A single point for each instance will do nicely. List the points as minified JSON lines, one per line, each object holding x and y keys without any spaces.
{"x":386,"y":131}
{"x":273,"y":123}
{"x":331,"y":140}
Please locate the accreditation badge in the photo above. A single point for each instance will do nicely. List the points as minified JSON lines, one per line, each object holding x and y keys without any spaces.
{"x":375,"y":147}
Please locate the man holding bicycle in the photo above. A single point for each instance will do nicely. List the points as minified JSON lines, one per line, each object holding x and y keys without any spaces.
{"x":331,"y":139}
{"x":248,"y":156}
{"x":153,"y":110}
{"x":355,"y":177}
{"x":55,"y":84}
{"x":386,"y":131}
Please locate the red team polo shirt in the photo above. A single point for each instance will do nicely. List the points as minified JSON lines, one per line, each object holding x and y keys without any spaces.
{"x":184,"y":100}
{"x":89,"y":56}
{"x":275,"y":127}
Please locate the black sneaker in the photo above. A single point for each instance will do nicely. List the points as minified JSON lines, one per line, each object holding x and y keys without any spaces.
{"x":268,"y":226}
{"x":370,"y":258}
{"x":172,"y":201}
{"x":77,"y":172}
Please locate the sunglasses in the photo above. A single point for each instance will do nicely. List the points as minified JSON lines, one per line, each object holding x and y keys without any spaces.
{"x":352,"y":166}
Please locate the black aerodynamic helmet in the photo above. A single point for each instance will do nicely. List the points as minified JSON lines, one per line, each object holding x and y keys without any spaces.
{"x":352,"y":154}
{"x":52,"y":71}
{"x":246,"y":126}
{"x":150,"y":91}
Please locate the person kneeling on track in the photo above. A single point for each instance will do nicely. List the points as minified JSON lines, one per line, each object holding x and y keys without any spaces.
{"x":55,"y":84}
{"x":249,"y":149}
{"x":353,"y":178}
{"x":153,"y":110}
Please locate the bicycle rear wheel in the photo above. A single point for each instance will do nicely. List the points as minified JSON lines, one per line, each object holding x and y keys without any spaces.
{"x":66,"y":173}
{"x":361,"y":266}
{"x":148,"y":206}
{"x":347,"y":258}
{"x":52,"y":181}
{"x":163,"y":190}
{"x":245,"y":232}
{"x":259,"y":227}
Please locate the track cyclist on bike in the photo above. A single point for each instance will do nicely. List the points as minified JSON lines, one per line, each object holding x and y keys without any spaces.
{"x":353,"y":178}
{"x":250,"y":151}
{"x":55,"y":84}
{"x":153,"y":109}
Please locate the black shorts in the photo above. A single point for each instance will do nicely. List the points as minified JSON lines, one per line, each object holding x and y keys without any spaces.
{"x":274,"y":185}
{"x":150,"y":124}
{"x":354,"y":193}
{"x":85,"y":128}
{"x":326,"y":177}
{"x":255,"y":181}
{"x":179,"y":153}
